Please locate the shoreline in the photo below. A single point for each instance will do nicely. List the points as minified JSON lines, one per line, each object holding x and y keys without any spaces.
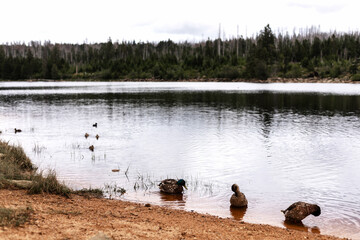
{"x":79,"y":217}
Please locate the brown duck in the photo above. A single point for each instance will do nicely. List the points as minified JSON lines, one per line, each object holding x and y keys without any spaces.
{"x":300,"y":210}
{"x":97,"y":136}
{"x":86,"y":135}
{"x":91,"y":148}
{"x":172,"y":186}
{"x":238,"y":199}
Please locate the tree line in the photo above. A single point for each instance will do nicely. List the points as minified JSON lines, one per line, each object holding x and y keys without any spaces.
{"x":308,"y":54}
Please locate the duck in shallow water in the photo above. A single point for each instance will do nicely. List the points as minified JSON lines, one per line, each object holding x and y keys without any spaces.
{"x":172,"y":186}
{"x":238,"y":199}
{"x":17,"y":130}
{"x":91,"y":148}
{"x":300,"y":210}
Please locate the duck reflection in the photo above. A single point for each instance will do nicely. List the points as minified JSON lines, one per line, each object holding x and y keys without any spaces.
{"x":172,"y":199}
{"x":238,"y":213}
{"x":301,"y":227}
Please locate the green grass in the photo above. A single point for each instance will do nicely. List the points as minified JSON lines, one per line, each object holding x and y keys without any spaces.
{"x":14,"y":217}
{"x":356,"y":77}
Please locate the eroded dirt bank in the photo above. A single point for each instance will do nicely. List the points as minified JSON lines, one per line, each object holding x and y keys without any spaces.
{"x":56,"y":217}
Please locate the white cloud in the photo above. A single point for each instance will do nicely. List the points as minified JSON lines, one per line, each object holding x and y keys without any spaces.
{"x":77,"y":20}
{"x":320,"y":7}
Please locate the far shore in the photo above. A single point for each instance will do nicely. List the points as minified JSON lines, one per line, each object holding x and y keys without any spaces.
{"x":269,"y":80}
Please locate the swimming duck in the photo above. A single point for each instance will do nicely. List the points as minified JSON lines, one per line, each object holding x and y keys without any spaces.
{"x":86,"y":135}
{"x":238,"y":199}
{"x":300,"y":210}
{"x":17,"y":130}
{"x":91,"y":148}
{"x":95,"y":125}
{"x":97,"y":136}
{"x":172,"y":186}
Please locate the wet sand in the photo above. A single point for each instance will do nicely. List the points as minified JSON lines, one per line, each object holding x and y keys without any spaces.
{"x":78,"y":217}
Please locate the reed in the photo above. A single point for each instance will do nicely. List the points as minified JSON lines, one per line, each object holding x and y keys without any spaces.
{"x":112,"y":190}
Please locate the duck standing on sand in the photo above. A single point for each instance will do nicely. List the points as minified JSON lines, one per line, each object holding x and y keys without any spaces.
{"x":172,"y":186}
{"x":300,"y":210}
{"x":238,"y":199}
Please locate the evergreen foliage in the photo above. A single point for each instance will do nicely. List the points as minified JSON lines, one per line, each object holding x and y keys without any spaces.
{"x":309,"y":54}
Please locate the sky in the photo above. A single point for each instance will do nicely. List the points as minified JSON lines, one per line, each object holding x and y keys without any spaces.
{"x":91,"y":21}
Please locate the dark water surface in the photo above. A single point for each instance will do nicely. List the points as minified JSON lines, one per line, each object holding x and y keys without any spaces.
{"x":280,"y":143}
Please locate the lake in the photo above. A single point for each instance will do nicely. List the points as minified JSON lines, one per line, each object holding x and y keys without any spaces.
{"x":281,"y":143}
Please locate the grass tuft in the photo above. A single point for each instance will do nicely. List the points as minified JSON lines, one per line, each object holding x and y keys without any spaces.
{"x":14,"y":217}
{"x":91,"y":192}
{"x":15,"y":155}
{"x":48,"y":184}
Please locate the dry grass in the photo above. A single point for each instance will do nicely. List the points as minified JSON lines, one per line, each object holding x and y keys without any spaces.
{"x":14,"y":217}
{"x":89,"y":193}
{"x":48,"y":184}
{"x":14,"y":164}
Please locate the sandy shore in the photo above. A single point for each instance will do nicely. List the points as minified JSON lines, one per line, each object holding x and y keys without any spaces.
{"x":78,"y":217}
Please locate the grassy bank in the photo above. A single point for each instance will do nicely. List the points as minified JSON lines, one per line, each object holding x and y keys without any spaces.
{"x":17,"y":172}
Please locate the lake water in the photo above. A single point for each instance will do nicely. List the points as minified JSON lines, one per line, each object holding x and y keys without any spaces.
{"x":280,"y":143}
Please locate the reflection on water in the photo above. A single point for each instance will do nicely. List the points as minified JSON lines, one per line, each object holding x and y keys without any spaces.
{"x":238,"y":213}
{"x":301,"y":227}
{"x":172,"y":197}
{"x":281,"y":143}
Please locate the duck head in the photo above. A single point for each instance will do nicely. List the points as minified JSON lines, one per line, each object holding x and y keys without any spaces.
{"x":316,"y":210}
{"x":181,"y":182}
{"x":235,"y":188}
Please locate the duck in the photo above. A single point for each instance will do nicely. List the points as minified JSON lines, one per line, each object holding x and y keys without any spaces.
{"x":91,"y":148}
{"x":95,"y":125}
{"x":86,"y":135}
{"x":17,"y":130}
{"x":238,"y":199}
{"x":97,"y":136}
{"x":300,"y":210}
{"x":172,"y":186}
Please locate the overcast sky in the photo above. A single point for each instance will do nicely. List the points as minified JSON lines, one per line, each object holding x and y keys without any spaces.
{"x":77,"y":21}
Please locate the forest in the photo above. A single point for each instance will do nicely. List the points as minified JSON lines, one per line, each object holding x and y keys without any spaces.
{"x":310,"y":53}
